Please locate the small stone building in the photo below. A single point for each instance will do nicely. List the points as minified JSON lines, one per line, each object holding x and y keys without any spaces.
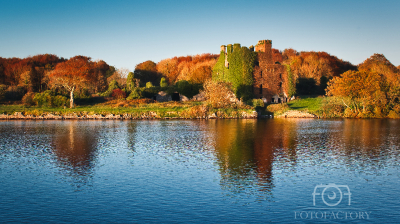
{"x":163,"y":97}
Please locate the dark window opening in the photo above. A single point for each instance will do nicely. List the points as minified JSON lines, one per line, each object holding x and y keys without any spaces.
{"x":280,"y":76}
{"x":279,"y":100}
{"x":261,"y":89}
{"x":272,"y":100}
{"x":175,"y":97}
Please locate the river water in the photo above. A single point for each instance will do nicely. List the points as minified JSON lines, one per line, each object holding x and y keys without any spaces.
{"x":202,"y":171}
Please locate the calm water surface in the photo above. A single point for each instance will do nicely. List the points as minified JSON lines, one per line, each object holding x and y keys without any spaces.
{"x":244,"y":171}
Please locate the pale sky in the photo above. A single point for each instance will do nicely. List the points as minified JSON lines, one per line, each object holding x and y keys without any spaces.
{"x":125,"y":33}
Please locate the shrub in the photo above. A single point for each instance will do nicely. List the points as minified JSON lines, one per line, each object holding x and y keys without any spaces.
{"x":43,"y":99}
{"x":258,"y":103}
{"x":393,"y":114}
{"x":149,"y":85}
{"x":277,"y":108}
{"x":187,"y":89}
{"x":349,"y":113}
{"x":163,"y":82}
{"x":83,"y":94}
{"x":199,"y":111}
{"x":48,"y":99}
{"x":378,"y":112}
{"x":2,"y":91}
{"x":365,"y":114}
{"x":149,"y":92}
{"x":219,"y":94}
{"x":332,"y":110}
{"x":27,"y":100}
{"x":14,"y":93}
{"x":59,"y":101}
{"x":135,"y":94}
{"x":118,"y":94}
{"x":113,"y":85}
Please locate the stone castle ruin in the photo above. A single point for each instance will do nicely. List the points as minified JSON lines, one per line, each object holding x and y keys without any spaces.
{"x":269,"y":77}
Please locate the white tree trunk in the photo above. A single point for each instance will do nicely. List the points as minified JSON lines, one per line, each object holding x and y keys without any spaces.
{"x":71,"y":100}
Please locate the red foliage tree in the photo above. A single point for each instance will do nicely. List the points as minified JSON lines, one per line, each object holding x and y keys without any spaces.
{"x":118,"y":94}
{"x":73,"y":74}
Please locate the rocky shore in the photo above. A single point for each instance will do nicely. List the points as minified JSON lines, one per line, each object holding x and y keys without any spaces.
{"x":296,"y":114}
{"x":125,"y":116}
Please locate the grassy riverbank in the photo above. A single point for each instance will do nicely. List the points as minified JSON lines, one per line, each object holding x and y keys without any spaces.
{"x":136,"y":109}
{"x":145,"y":107}
{"x":306,"y":106}
{"x":309,"y":104}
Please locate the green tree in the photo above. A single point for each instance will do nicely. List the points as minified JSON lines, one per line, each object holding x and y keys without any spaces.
{"x":113,"y":85}
{"x":149,"y":85}
{"x":135,"y":94}
{"x":131,"y":81}
{"x":163,"y":82}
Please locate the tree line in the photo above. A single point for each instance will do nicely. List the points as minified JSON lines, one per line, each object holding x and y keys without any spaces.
{"x":43,"y":78}
{"x":370,"y":89}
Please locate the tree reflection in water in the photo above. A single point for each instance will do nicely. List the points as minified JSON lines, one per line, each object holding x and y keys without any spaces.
{"x":75,"y":146}
{"x":245,"y":150}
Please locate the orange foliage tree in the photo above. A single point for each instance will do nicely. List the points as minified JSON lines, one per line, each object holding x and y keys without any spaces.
{"x":315,"y":64}
{"x":195,"y":69}
{"x":147,"y":72}
{"x":360,"y":89}
{"x":379,"y":64}
{"x":72,"y":74}
{"x":218,"y":93}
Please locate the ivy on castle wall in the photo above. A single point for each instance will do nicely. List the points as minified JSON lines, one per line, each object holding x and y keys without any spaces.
{"x":218,"y":71}
{"x":240,"y":70}
{"x":291,"y":87}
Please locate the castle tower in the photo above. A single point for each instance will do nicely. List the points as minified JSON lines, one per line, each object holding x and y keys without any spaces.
{"x":223,"y":48}
{"x":265,"y":46}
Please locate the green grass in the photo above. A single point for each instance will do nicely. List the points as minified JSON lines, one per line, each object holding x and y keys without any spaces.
{"x":97,"y":109}
{"x":306,"y":103}
{"x":167,"y":109}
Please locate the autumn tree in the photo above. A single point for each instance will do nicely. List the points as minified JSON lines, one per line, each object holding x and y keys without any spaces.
{"x":378,"y":63}
{"x":100,"y":76}
{"x":218,"y":93}
{"x":120,"y":76}
{"x":169,"y":69}
{"x":72,"y":74}
{"x":359,"y":89}
{"x":147,"y":72}
{"x":195,"y":69}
